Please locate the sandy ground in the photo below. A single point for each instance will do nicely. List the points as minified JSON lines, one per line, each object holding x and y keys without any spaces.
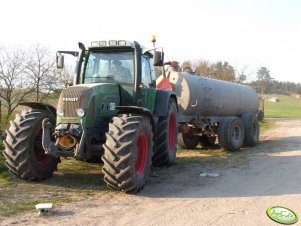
{"x":239,"y":196}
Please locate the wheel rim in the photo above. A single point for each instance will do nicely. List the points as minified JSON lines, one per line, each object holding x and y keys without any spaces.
{"x":236,"y":134}
{"x":41,"y":158}
{"x":171,"y":132}
{"x":141,"y":161}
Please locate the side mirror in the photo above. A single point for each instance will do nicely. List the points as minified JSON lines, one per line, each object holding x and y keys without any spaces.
{"x":59,"y":61}
{"x":158,"y":58}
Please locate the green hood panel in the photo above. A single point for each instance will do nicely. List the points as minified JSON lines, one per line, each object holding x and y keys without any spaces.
{"x":98,"y":100}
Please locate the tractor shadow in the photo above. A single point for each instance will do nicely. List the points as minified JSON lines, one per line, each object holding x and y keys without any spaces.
{"x":77,"y":181}
{"x":78,"y":175}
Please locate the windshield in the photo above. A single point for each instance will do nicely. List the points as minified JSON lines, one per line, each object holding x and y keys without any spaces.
{"x":110,"y":66}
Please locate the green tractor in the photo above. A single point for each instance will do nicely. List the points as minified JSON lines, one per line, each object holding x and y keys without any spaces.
{"x":113,"y":113}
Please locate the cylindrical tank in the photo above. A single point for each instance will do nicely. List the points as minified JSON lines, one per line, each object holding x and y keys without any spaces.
{"x":204,"y":96}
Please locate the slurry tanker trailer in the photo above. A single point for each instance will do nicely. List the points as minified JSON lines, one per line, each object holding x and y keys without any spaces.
{"x":210,"y":109}
{"x":115,"y":114}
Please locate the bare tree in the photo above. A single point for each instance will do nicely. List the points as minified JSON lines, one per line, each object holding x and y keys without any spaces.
{"x":14,"y":87}
{"x":187,"y":65}
{"x":41,"y":72}
{"x":243,"y":74}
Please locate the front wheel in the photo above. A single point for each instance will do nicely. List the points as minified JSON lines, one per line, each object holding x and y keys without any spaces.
{"x":128,"y":152}
{"x":25,"y":156}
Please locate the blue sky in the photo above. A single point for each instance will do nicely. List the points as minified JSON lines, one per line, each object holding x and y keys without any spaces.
{"x":252,"y":32}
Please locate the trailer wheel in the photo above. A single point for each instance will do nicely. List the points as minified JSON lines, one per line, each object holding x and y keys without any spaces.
{"x":231,"y":133}
{"x":207,"y":141}
{"x":25,"y":156}
{"x":127,"y":153}
{"x":187,"y":140}
{"x":260,"y":116}
{"x":251,"y":125}
{"x":166,"y":137}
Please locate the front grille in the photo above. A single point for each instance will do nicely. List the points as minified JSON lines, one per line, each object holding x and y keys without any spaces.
{"x":72,"y":93}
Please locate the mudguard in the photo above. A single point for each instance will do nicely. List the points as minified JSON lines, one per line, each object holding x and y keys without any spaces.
{"x":161,"y":101}
{"x":42,"y":106}
{"x":136,"y":110}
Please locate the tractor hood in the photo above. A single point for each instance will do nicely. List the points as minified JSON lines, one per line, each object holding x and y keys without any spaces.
{"x":93,"y":98}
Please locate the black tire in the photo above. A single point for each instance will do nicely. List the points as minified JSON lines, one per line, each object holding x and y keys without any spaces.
{"x":166,"y":137}
{"x":25,"y":156}
{"x":127,"y":153}
{"x":231,"y":133}
{"x":251,"y":125}
{"x":207,"y":141}
{"x":186,"y":140}
{"x":260,"y":116}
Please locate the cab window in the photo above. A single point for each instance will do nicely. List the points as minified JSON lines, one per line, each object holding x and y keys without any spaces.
{"x":110,"y":66}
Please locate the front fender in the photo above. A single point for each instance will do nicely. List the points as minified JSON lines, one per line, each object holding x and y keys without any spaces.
{"x":136,"y":110}
{"x":40,"y":106}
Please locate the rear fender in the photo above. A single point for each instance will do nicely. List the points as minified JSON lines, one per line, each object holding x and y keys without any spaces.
{"x":161,"y":102}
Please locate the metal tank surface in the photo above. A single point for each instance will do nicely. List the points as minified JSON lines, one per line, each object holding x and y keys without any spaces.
{"x":204,"y":96}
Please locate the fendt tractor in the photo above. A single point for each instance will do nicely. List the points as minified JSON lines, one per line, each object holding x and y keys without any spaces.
{"x":117,"y":113}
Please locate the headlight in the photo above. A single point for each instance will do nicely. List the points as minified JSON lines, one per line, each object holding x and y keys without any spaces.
{"x":60,"y":112}
{"x":80,"y":112}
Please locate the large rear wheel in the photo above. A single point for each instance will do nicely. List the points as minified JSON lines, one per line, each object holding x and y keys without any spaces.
{"x":166,"y":137}
{"x":128,"y":152}
{"x":25,"y":156}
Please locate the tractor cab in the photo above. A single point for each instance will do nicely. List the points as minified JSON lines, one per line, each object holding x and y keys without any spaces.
{"x":115,"y":61}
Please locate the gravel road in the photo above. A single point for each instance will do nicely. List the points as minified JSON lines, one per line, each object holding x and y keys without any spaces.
{"x":239,"y":196}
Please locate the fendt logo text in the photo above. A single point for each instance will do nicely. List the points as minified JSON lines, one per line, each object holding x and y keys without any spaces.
{"x":70,"y":99}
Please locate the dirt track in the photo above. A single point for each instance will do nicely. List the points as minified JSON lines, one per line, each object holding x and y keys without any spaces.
{"x":270,"y":175}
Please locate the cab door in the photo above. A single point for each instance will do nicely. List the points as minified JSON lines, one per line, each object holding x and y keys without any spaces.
{"x":147,"y":78}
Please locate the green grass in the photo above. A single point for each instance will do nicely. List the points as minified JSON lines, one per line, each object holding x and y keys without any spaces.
{"x":266,"y":125}
{"x":10,"y":208}
{"x":4,"y":176}
{"x":287,"y":107}
{"x":74,"y":181}
{"x":215,"y":158}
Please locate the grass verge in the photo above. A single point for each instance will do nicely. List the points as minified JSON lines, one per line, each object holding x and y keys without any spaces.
{"x":74,"y":181}
{"x":287,"y":107}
